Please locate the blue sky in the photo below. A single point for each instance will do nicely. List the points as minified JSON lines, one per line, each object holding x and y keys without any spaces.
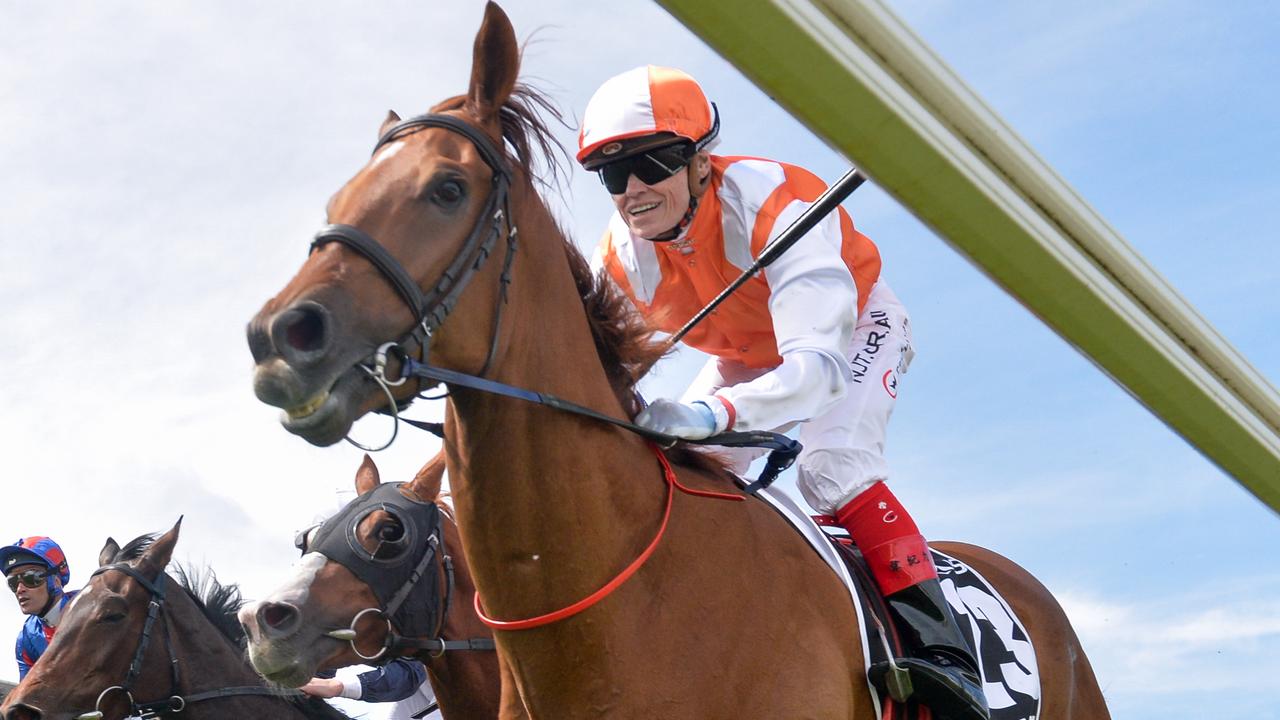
{"x":164,"y":164}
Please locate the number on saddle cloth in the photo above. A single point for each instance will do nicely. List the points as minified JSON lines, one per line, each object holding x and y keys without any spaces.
{"x":1002,"y":647}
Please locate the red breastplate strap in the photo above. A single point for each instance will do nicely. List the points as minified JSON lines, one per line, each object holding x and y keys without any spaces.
{"x":669,"y":476}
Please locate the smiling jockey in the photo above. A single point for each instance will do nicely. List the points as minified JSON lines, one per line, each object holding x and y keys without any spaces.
{"x":819,"y":340}
{"x":37,"y":572}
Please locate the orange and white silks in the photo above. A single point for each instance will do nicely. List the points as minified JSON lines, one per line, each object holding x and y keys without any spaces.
{"x":817,"y":338}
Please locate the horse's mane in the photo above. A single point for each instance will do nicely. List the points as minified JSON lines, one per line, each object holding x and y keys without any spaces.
{"x":219,"y":604}
{"x":623,"y":339}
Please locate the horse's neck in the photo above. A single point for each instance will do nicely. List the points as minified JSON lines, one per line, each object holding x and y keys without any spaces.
{"x":207,"y":661}
{"x":541,"y":493}
{"x":466,"y":682}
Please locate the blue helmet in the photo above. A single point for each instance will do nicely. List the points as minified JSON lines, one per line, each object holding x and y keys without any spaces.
{"x":37,"y":550}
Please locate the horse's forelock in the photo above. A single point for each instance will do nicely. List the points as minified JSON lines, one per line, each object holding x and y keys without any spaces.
{"x":526,"y":119}
{"x":134,"y":549}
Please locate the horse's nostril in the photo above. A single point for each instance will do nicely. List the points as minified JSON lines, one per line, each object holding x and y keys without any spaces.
{"x":23,"y":712}
{"x":301,"y":333}
{"x":278,"y":617}
{"x":306,"y":331}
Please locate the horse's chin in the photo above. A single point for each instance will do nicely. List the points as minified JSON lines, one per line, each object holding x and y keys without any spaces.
{"x":327,"y":417}
{"x":284,"y":667}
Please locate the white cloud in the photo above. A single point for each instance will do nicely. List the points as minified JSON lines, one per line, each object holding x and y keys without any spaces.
{"x":165,"y":164}
{"x":1174,"y":645}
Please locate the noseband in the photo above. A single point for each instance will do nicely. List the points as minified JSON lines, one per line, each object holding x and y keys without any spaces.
{"x":175,"y":703}
{"x":431,"y":308}
{"x":399,"y":578}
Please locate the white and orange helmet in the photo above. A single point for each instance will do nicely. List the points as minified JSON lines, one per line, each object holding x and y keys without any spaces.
{"x":642,"y":109}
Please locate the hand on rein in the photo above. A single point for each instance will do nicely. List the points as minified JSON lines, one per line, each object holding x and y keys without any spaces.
{"x":690,"y":421}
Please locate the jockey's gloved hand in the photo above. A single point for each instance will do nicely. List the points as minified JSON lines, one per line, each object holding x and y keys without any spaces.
{"x":691,"y":421}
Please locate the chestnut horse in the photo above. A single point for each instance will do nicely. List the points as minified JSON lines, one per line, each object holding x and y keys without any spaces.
{"x":290,"y":632}
{"x":732,"y":615}
{"x":135,"y":640}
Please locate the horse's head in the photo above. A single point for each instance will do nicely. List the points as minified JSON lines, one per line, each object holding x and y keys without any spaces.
{"x":374,"y":566}
{"x":406,"y":246}
{"x":100,"y":656}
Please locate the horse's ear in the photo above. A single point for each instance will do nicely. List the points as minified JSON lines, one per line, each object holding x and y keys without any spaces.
{"x":160,"y":552}
{"x":495,"y":62}
{"x":426,"y":484}
{"x":367,"y":477}
{"x":387,"y":124}
{"x":109,"y":552}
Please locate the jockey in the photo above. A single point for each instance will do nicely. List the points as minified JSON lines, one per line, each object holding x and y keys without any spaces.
{"x":36,"y":569}
{"x":819,"y":340}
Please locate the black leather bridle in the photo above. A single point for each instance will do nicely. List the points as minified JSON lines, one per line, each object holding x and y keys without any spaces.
{"x":414,"y":572}
{"x":431,"y":308}
{"x":175,"y":703}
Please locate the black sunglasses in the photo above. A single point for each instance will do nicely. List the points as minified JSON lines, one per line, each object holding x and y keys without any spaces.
{"x":30,"y":578}
{"x":649,"y":167}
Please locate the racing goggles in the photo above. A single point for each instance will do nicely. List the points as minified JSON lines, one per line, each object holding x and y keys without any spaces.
{"x":30,"y":578}
{"x":649,"y":167}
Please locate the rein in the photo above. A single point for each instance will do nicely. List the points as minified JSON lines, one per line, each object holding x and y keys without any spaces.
{"x":175,"y":703}
{"x":673,"y":484}
{"x":430,"y":311}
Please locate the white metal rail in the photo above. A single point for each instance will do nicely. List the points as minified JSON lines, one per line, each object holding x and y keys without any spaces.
{"x":860,"y":79}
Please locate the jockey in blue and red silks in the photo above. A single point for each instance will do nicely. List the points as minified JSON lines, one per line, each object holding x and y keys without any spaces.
{"x":36,"y":569}
{"x":818,"y":340}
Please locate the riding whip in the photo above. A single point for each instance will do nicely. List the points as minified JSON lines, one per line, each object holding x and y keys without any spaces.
{"x":820,"y":208}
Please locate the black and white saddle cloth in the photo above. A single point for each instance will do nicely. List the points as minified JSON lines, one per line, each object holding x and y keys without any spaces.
{"x":1010,"y":677}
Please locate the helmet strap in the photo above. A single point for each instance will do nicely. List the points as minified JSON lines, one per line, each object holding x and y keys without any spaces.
{"x":49,"y":602}
{"x":674,"y":232}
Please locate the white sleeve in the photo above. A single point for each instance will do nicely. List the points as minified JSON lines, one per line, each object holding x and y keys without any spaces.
{"x":708,"y":380}
{"x":352,"y":688}
{"x":813,"y":302}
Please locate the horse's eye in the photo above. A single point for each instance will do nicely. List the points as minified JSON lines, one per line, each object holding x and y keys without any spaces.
{"x":114,"y":617}
{"x":390,"y":532}
{"x":390,"y":537}
{"x":449,"y":193}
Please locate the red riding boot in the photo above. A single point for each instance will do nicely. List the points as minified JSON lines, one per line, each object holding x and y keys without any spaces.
{"x":944,"y":675}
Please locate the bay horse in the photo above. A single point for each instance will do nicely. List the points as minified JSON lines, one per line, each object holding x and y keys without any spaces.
{"x":291,"y":631}
{"x":135,"y":640}
{"x":731,"y":614}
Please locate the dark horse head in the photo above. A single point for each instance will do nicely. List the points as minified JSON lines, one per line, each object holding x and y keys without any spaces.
{"x":134,"y":639}
{"x":393,"y":540}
